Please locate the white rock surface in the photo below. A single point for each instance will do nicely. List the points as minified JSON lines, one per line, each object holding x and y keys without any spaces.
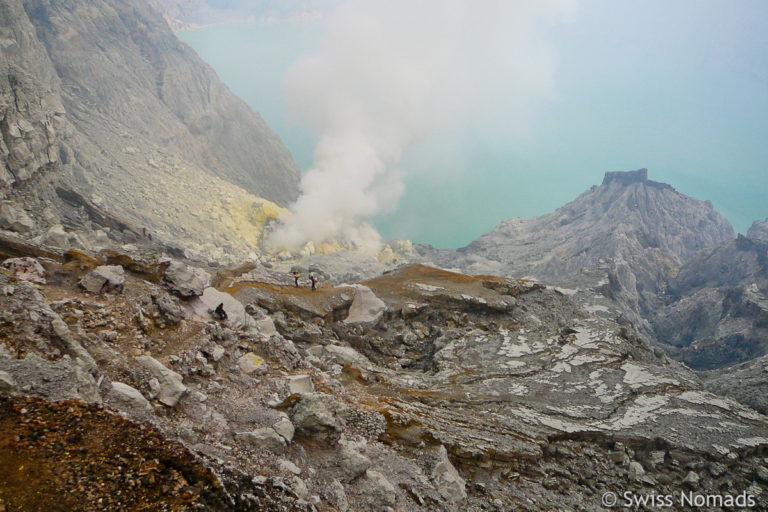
{"x":26,"y":269}
{"x":211,"y":298}
{"x":366,"y":306}
{"x":171,"y":387}
{"x":299,"y":384}
{"x":104,"y":278}
{"x":185,"y":280}
{"x":129,"y":396}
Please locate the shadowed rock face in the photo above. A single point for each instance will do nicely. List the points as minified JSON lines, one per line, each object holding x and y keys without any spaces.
{"x":626,"y":177}
{"x":758,"y":230}
{"x":122,"y":62}
{"x":746,"y":382}
{"x":30,"y":106}
{"x":717,"y":311}
{"x":630,"y":234}
{"x":105,"y":115}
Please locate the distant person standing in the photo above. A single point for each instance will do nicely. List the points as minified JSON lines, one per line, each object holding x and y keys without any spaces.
{"x":313,"y":280}
{"x":296,"y":276}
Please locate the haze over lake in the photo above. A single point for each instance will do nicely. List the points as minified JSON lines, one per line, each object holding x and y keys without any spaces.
{"x":680,"y":88}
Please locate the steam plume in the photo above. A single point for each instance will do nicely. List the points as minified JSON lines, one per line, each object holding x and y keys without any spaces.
{"x":385,"y":74}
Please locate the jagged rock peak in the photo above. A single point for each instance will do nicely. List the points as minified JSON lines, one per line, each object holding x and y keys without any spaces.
{"x":758,"y":230}
{"x":627,"y":178}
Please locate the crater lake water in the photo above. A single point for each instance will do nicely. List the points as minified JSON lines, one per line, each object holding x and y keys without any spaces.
{"x":688,"y":102}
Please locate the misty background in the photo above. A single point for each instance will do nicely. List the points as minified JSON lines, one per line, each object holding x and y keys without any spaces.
{"x":533,"y":102}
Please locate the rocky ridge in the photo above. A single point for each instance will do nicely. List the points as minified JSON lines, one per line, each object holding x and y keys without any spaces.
{"x":717,"y":311}
{"x":190,"y":14}
{"x":758,"y":230}
{"x":110,"y":124}
{"x":633,"y":232}
{"x":420,"y":389}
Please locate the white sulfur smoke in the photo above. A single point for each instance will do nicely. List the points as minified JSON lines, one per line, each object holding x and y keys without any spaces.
{"x":386,"y":73}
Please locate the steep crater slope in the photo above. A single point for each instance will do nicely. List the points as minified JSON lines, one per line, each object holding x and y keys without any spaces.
{"x":103,"y":103}
{"x":717,"y":306}
{"x":630,"y":234}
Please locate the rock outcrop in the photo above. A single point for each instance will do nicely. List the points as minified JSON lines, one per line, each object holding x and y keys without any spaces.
{"x":717,"y":306}
{"x":166,"y":384}
{"x":633,"y":232}
{"x":758,"y":230}
{"x":463,"y":393}
{"x":107,"y":120}
{"x":104,"y":278}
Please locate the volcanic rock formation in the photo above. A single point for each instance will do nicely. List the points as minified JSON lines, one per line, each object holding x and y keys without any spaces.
{"x":108,"y":121}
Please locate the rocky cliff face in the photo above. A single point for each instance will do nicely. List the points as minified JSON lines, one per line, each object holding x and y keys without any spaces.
{"x":123,"y":63}
{"x":626,"y":237}
{"x":134,"y":122}
{"x":717,"y":311}
{"x":30,"y":104}
{"x":195,"y":13}
{"x":758,"y":230}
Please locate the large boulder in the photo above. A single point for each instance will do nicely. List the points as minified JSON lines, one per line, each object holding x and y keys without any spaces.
{"x":351,"y":461}
{"x":314,"y":416}
{"x":250,"y":363}
{"x":185,"y":280}
{"x":285,"y":428}
{"x":129,"y":397}
{"x":104,"y":279}
{"x":170,"y":308}
{"x":299,"y":384}
{"x":207,"y":303}
{"x":15,"y":219}
{"x":169,"y":385}
{"x":366,"y":306}
{"x":376,"y":487}
{"x":262,"y":439}
{"x":449,"y":483}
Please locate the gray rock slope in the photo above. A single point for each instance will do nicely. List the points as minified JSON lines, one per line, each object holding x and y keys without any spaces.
{"x":195,"y":13}
{"x":718,"y":307}
{"x":103,"y":100}
{"x":746,"y":382}
{"x":626,"y":237}
{"x":419,"y":390}
{"x":758,"y":230}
